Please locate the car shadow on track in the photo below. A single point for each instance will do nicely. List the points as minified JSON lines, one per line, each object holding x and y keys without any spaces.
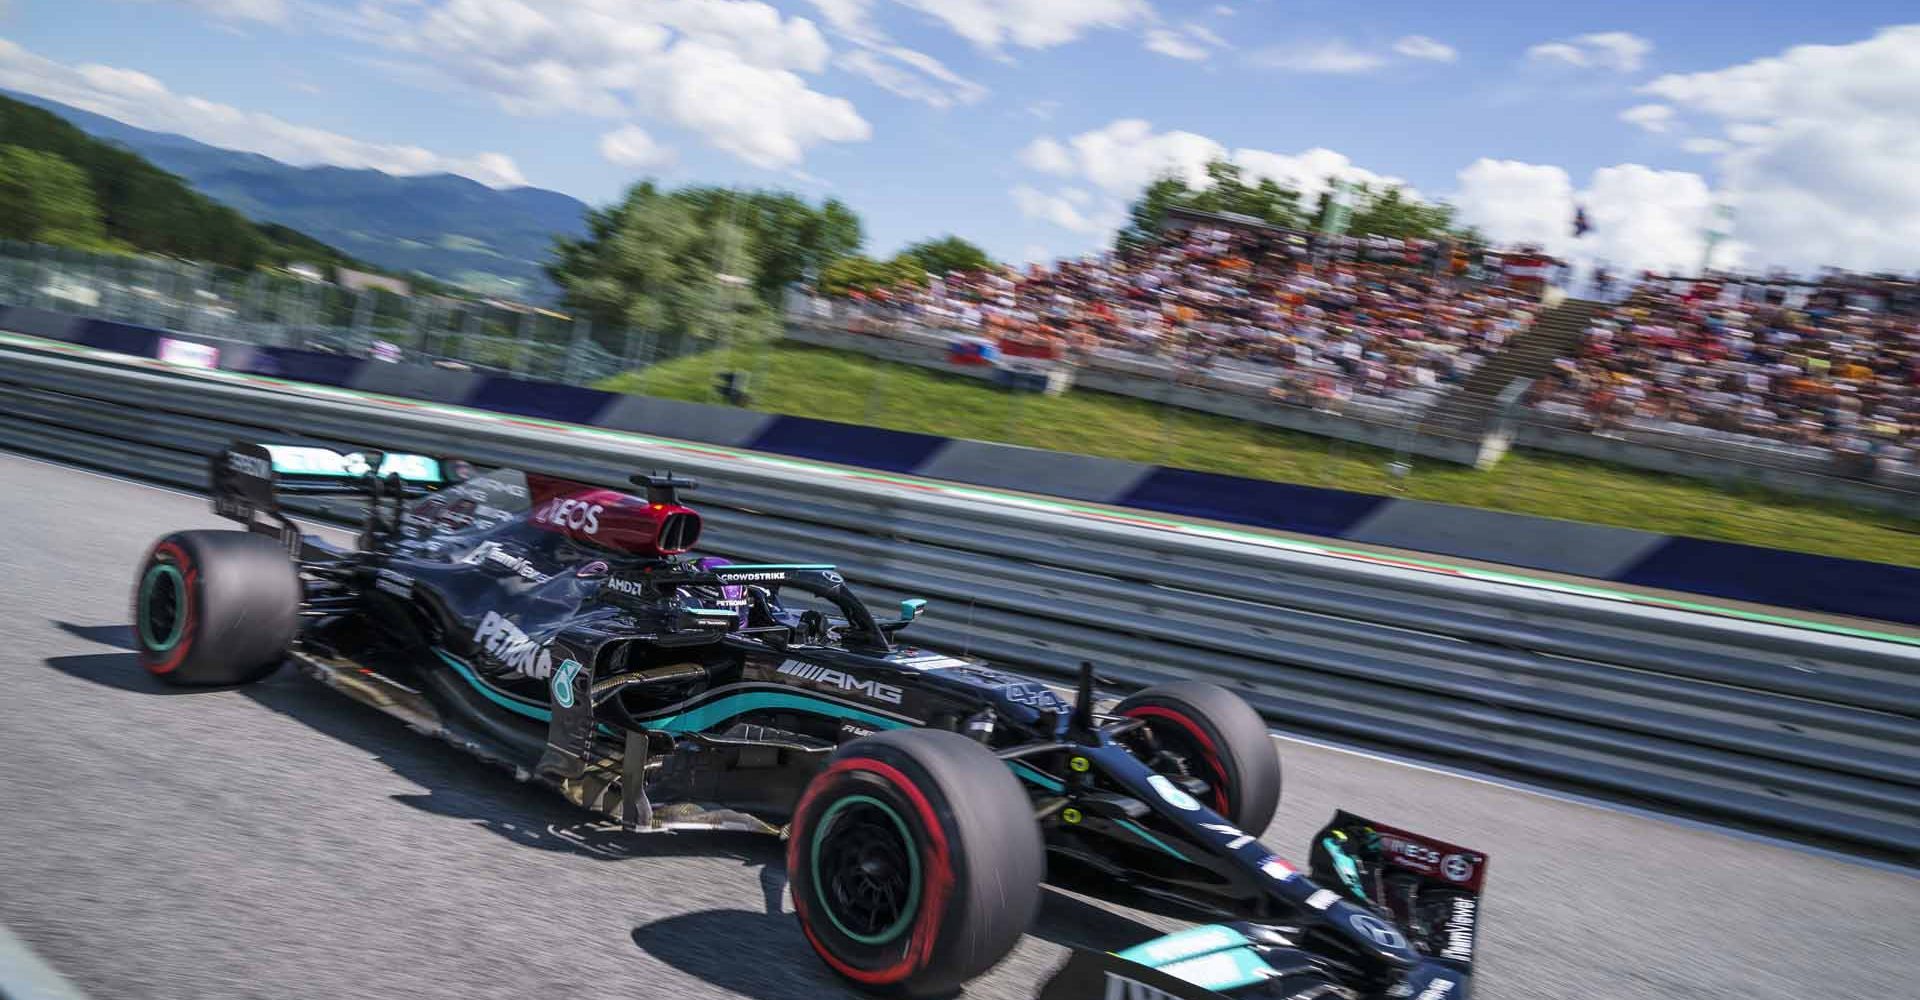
{"x":734,"y":949}
{"x":714,"y":945}
{"x":120,"y":671}
{"x":457,"y":786}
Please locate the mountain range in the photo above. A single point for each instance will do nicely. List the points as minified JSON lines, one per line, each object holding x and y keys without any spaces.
{"x":447,"y":227}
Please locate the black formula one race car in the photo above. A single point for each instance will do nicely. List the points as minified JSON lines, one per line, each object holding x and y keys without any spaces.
{"x":561,"y":628}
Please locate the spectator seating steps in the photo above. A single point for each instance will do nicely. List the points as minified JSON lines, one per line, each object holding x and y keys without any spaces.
{"x":1529,"y":355}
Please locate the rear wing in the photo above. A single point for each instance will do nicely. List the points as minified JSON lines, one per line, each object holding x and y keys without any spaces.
{"x":248,"y":480}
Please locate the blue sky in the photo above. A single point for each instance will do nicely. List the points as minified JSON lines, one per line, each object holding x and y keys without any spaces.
{"x":1024,"y":124}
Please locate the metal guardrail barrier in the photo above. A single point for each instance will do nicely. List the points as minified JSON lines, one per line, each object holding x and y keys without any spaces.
{"x":1792,"y":731}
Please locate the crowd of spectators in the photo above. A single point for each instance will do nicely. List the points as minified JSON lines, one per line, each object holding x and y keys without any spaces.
{"x":1829,"y":363}
{"x":1318,"y":324}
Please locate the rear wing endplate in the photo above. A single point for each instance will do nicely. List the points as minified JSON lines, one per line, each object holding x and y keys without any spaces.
{"x":248,"y":479}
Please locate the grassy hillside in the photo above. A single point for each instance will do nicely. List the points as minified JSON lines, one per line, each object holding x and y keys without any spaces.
{"x":445,"y":226}
{"x":833,"y":385}
{"x":148,"y":209}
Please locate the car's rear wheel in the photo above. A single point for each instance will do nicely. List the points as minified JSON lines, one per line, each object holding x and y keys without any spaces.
{"x":915,"y":862}
{"x":214,"y":607}
{"x":1204,"y":731}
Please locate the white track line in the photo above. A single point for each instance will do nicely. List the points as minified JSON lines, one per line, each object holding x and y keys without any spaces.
{"x":26,"y":976}
{"x":1596,"y":802}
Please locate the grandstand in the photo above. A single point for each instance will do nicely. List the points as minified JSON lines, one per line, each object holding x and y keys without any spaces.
{"x":1830,"y":365}
{"x":1743,"y":376}
{"x":1323,"y":321}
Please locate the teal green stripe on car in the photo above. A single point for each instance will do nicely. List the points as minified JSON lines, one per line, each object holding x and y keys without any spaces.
{"x":719,"y":710}
{"x":1028,"y":774}
{"x":694,"y":719}
{"x":511,"y":704}
{"x":1141,"y":832}
{"x":1183,"y":945}
{"x":1222,"y":970}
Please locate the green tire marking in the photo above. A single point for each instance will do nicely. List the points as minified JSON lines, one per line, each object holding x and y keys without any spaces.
{"x":913,"y":861}
{"x":156,"y":572}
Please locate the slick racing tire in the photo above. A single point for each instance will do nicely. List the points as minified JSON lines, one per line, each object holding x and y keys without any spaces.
{"x":915,"y":862}
{"x":214,"y":607}
{"x":1213,"y":735}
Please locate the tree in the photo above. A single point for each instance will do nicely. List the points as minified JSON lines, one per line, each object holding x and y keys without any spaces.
{"x":1148,"y":211}
{"x":948,"y":254}
{"x":864,"y":274}
{"x":658,"y":262}
{"x":1393,"y":214}
{"x":791,"y":240}
{"x":1375,"y":213}
{"x":45,"y":199}
{"x":1226,"y":190}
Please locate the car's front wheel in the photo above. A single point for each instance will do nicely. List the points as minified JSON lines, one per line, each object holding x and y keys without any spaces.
{"x":915,"y":862}
{"x":214,"y":607}
{"x":1200,"y":730}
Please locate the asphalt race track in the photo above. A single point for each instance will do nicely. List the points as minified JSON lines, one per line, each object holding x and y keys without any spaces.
{"x":282,"y":841}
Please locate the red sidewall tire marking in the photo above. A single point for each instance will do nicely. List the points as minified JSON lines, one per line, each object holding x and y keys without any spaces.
{"x":1200,"y":736}
{"x":938,"y":884}
{"x":190,"y":578}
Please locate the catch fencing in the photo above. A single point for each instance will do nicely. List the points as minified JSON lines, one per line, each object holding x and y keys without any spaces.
{"x":1372,"y":443}
{"x":1765,"y":726}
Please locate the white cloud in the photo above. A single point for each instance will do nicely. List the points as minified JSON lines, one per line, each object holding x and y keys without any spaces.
{"x":1122,"y":157}
{"x":1125,"y":155}
{"x":902,"y":71}
{"x":1190,"y":41}
{"x":1043,"y":110}
{"x":1034,"y":253}
{"x":1656,"y":118}
{"x":1179,"y":45}
{"x":143,"y":101}
{"x":1642,"y":218}
{"x":1557,"y":52}
{"x":1422,"y":47}
{"x":1033,"y":24}
{"x":1336,"y":57}
{"x":1205,"y":34}
{"x":1048,"y":156}
{"x":1620,"y":51}
{"x":261,"y":11}
{"x":1706,"y":146}
{"x":767,"y":117}
{"x":1820,"y":150}
{"x":1066,"y":208}
{"x":1223,"y":10}
{"x":631,"y":146}
{"x":894,"y":70}
{"x":1307,"y":172}
{"x":729,"y":70}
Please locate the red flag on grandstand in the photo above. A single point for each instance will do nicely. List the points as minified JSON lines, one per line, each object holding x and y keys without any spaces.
{"x":1580,"y":223}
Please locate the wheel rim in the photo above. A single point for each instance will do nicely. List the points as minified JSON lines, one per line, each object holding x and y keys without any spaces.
{"x":1189,"y":758}
{"x":163,"y":605}
{"x":866,"y":872}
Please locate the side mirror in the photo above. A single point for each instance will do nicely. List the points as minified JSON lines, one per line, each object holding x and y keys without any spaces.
{"x":910,"y":609}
